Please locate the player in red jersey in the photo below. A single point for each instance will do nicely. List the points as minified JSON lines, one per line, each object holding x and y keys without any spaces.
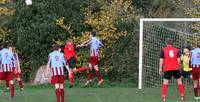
{"x":95,"y":44}
{"x":6,"y":70}
{"x":170,"y":58}
{"x":16,"y":70}
{"x":56,"y":65}
{"x":70,"y":58}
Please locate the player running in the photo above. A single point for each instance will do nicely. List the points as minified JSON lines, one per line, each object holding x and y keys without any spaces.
{"x":95,"y":45}
{"x":170,"y":58}
{"x":56,"y":65}
{"x":70,"y":58}
{"x":16,"y":70}
{"x":195,"y":63}
{"x":6,"y":70}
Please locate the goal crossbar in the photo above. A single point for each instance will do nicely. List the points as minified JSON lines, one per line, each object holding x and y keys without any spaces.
{"x":142,"y":20}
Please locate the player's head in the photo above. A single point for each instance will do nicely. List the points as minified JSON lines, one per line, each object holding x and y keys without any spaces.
{"x":68,"y":42}
{"x":6,"y":45}
{"x":186,"y":49}
{"x":10,"y":48}
{"x":94,"y":34}
{"x":169,"y":41}
{"x":57,"y":47}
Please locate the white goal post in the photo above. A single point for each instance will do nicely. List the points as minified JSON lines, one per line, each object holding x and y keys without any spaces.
{"x":142,"y":20}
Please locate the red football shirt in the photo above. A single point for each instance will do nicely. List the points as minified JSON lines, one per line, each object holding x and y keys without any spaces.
{"x":170,"y":57}
{"x":69,"y":51}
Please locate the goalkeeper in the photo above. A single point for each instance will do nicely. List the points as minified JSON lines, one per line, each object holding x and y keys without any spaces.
{"x":185,"y":59}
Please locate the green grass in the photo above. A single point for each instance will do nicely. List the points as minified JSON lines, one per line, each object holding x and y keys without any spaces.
{"x":46,"y":94}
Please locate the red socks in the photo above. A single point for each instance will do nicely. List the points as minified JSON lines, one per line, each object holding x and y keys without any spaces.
{"x":196,"y":92}
{"x":12,"y":90}
{"x":71,"y":79}
{"x":58,"y":95}
{"x":80,"y":69}
{"x":7,"y":84}
{"x":181,"y":89}
{"x":98,"y":74}
{"x":164,"y":91}
{"x":20,"y":84}
{"x":89,"y":75}
{"x":62,"y":93}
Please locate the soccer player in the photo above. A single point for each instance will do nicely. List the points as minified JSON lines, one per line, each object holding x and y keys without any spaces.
{"x":56,"y":65}
{"x":16,"y":70}
{"x":6,"y":71}
{"x":95,"y":45}
{"x":195,"y":63}
{"x":70,"y":57}
{"x":185,"y":58}
{"x":170,"y":58}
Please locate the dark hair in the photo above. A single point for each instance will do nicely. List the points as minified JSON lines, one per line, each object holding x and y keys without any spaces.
{"x":187,"y":47}
{"x":94,"y":34}
{"x":56,"y":46}
{"x":169,"y":41}
{"x":6,"y":45}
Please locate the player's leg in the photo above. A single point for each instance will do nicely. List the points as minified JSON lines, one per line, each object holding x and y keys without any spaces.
{"x":9,"y":77}
{"x":12,"y":88}
{"x":164,"y":89}
{"x":89,"y":75}
{"x":7,"y":85}
{"x":98,"y":74}
{"x":71,"y":77}
{"x":167,"y":76}
{"x":57,"y":91}
{"x":195,"y":82}
{"x":62,"y":92}
{"x":20,"y":82}
{"x":177,"y":75}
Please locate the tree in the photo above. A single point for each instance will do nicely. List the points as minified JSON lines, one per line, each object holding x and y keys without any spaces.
{"x":193,"y":12}
{"x":34,"y":29}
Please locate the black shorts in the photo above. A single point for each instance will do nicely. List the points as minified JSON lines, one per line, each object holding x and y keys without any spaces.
{"x":71,"y":62}
{"x":174,"y":73}
{"x":185,"y":74}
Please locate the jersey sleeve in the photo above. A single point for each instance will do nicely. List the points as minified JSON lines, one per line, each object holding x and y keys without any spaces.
{"x":162,"y":54}
{"x":100,"y":43}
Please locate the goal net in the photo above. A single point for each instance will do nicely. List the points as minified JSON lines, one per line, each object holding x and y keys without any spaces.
{"x":153,"y":35}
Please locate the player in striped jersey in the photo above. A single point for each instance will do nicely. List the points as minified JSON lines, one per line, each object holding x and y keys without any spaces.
{"x":56,"y":65}
{"x":95,"y":44}
{"x":16,"y":70}
{"x":6,"y":71}
{"x":195,"y":63}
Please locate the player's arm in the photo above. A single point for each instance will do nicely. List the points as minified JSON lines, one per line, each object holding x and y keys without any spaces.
{"x":161,"y":62}
{"x":18,"y":64}
{"x":179,"y":57}
{"x":48,"y":66}
{"x":85,"y":43}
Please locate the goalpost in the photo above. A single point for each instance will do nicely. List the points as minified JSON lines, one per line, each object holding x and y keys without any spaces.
{"x":153,"y":33}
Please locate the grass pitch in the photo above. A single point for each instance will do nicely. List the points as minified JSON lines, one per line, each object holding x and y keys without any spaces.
{"x":46,"y":94}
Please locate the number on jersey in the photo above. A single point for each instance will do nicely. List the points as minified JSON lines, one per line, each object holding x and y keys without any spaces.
{"x":171,"y":53}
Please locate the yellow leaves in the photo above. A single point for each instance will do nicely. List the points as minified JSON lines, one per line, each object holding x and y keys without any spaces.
{"x":3,"y":1}
{"x":196,"y":1}
{"x":60,"y":23}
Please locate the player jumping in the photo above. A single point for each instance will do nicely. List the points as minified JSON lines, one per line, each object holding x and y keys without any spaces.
{"x":195,"y":63}
{"x":94,"y":44}
{"x":170,"y":58}
{"x":6,"y":71}
{"x":70,"y":57}
{"x":16,"y":70}
{"x":56,"y":65}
